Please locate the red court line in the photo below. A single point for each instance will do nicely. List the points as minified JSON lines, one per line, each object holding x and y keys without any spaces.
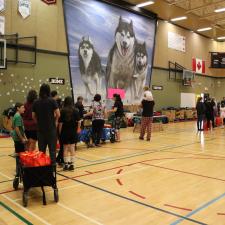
{"x":140,"y":196}
{"x":221,"y":214}
{"x":186,"y":153}
{"x":119,"y":182}
{"x":88,"y":172}
{"x":172,"y":206}
{"x":119,"y":171}
{"x":141,"y":162}
{"x":181,"y":171}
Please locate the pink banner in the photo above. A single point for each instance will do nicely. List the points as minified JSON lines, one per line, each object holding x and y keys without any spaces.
{"x":112,"y":91}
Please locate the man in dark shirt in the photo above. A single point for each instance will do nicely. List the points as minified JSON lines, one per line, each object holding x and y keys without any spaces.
{"x":79,"y":106}
{"x":46,"y":113}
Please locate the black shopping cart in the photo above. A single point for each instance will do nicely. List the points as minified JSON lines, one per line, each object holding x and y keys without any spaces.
{"x":37,"y":177}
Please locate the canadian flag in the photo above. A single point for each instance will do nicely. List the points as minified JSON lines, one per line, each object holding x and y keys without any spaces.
{"x":198,"y":65}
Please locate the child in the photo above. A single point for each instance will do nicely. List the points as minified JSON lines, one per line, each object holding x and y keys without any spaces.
{"x":18,"y":134}
{"x":68,"y":124}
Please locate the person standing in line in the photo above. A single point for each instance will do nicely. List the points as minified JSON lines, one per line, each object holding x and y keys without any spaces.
{"x":79,"y":105}
{"x":18,"y":134}
{"x":209,"y":113}
{"x":222,"y":113}
{"x":46,"y":113}
{"x":147,"y":105}
{"x":54,"y":95}
{"x":68,"y":124}
{"x":98,"y":115}
{"x":119,"y":113}
{"x":200,"y":107}
{"x":29,"y":123}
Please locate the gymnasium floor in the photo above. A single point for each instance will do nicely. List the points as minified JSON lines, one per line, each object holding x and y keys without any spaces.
{"x":177,"y":178}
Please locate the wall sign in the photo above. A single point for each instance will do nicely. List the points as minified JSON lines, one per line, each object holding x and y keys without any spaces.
{"x":157,"y":87}
{"x":59,"y":81}
{"x":176,"y":42}
{"x":2,"y":5}
{"x":24,"y":8}
{"x":49,"y":2}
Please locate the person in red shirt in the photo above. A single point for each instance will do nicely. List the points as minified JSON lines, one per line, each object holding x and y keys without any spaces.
{"x":29,"y":123}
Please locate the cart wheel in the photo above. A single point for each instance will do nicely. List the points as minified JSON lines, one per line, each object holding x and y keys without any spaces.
{"x":16,"y":182}
{"x":25,"y":199}
{"x":56,"y":195}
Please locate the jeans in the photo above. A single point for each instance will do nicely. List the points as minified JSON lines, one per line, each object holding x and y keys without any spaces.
{"x":48,"y":138}
{"x":97,"y":128}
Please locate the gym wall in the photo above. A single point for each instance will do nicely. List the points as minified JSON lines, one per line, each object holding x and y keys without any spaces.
{"x":47,"y":23}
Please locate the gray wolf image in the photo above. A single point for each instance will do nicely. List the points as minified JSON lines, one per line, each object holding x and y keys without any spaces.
{"x":141,"y":69}
{"x":120,"y":64}
{"x":90,"y":67}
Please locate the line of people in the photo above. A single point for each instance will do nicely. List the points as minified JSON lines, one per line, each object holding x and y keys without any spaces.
{"x":40,"y":119}
{"x":207,"y":111}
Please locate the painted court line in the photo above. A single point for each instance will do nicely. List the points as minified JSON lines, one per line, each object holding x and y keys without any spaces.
{"x":26,"y":210}
{"x":145,"y":152}
{"x":181,"y":171}
{"x":199,"y":209}
{"x":135,"y":201}
{"x":80,"y":214}
{"x":2,"y":174}
{"x":15,"y":214}
{"x":176,"y":207}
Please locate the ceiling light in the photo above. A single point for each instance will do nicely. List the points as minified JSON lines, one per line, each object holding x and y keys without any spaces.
{"x":204,"y":29}
{"x":219,"y":10}
{"x":221,"y":38}
{"x":179,"y":18}
{"x":145,"y":4}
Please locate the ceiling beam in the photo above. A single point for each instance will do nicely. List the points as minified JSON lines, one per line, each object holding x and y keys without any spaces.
{"x":177,"y":1}
{"x":206,"y":16}
{"x":204,"y":6}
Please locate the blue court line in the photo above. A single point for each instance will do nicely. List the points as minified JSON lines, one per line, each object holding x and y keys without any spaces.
{"x":133,"y":200}
{"x":146,"y":152}
{"x":199,"y":209}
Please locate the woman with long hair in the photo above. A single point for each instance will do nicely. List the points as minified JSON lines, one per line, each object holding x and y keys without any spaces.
{"x":118,"y":110}
{"x":68,"y":124}
{"x":46,"y":113}
{"x":29,"y":123}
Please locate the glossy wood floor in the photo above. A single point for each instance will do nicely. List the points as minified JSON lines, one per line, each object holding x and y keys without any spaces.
{"x":177,"y":178}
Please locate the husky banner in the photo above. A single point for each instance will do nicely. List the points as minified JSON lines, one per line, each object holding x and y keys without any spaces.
{"x":110,"y":48}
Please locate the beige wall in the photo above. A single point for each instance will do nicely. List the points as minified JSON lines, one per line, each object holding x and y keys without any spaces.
{"x":46,"y":22}
{"x":196,"y":47}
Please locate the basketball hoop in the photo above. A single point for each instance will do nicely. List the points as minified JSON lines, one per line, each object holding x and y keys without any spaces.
{"x":188,"y":77}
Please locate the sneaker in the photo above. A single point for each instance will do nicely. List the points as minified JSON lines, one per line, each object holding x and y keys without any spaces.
{"x":98,"y":145}
{"x":65,"y":167}
{"x":141,"y":138}
{"x":71,"y":167}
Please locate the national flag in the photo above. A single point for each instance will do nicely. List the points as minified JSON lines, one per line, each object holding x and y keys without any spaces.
{"x":198,"y":65}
